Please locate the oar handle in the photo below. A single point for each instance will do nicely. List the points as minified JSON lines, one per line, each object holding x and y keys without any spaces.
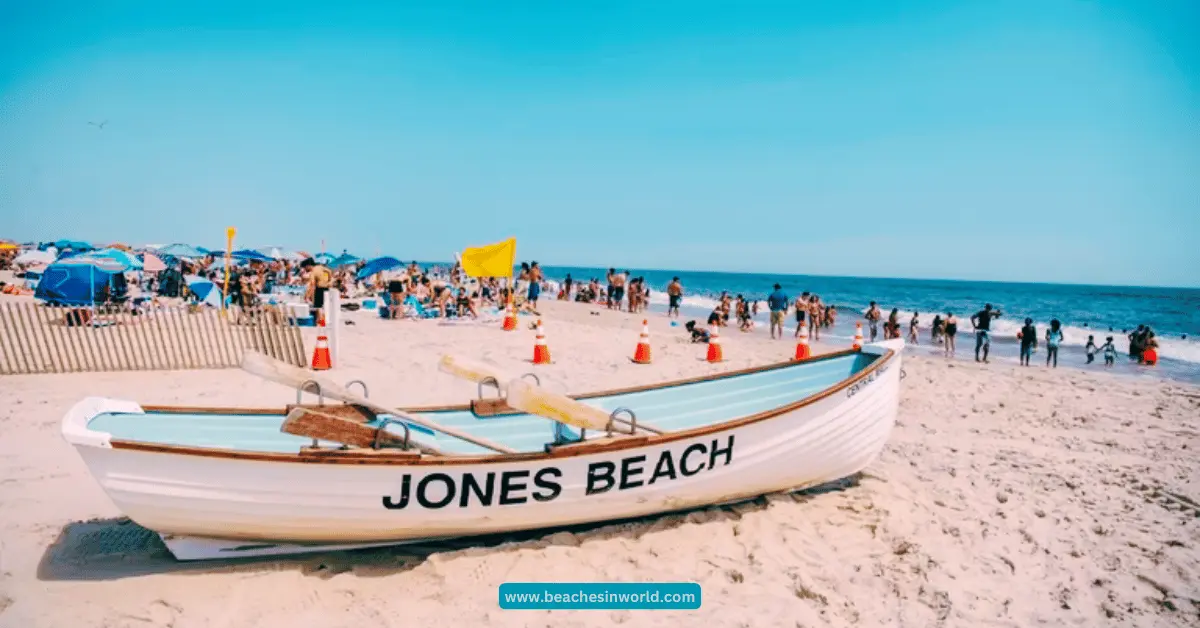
{"x":469,"y":370}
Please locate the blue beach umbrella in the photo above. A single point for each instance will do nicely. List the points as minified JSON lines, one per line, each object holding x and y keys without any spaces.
{"x":345,"y":259}
{"x":181,"y":250}
{"x":379,"y":265}
{"x":251,"y":255}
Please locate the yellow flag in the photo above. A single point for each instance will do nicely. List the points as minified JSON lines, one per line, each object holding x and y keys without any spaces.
{"x":492,"y":260}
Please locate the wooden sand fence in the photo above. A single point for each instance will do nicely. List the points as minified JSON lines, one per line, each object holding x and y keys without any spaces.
{"x":36,"y":338}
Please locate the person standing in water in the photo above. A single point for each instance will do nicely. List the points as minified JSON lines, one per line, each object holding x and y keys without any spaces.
{"x":912,"y":329}
{"x":1028,"y":338}
{"x":1110,"y":352}
{"x":950,"y":331}
{"x":1054,"y":337}
{"x":1091,"y":349}
{"x":873,"y":315}
{"x":982,"y":320}
{"x":674,"y":297}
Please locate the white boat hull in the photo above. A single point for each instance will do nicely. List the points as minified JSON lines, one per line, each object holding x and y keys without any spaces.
{"x":227,"y":500}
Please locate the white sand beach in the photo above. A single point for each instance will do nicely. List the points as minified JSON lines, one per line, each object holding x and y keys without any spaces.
{"x":1006,"y":497}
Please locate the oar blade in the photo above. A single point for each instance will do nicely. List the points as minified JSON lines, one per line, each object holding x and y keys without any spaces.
{"x":327,"y":427}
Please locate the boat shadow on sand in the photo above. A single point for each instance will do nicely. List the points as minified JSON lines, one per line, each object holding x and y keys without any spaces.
{"x":117,"y":548}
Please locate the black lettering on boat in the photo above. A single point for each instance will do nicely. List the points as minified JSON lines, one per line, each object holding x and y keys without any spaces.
{"x":423,"y":491}
{"x":714,"y":453}
{"x":857,"y":387}
{"x":484,"y":492}
{"x":405,"y":485}
{"x":509,"y":485}
{"x":600,"y":472}
{"x":547,"y":480}
{"x":628,"y":472}
{"x":665,"y":467}
{"x":698,"y":448}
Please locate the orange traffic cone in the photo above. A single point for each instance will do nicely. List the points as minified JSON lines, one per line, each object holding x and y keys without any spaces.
{"x":802,"y":350}
{"x":321,"y":360}
{"x":641,"y":354}
{"x":541,"y":352}
{"x":510,"y":318}
{"x":714,"y":346}
{"x":858,"y":337}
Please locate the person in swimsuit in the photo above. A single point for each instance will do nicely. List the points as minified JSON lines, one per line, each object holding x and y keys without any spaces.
{"x":801,"y":308}
{"x":982,"y":320}
{"x":892,"y":328}
{"x":1054,"y":337}
{"x":674,"y":297}
{"x":618,"y":286}
{"x":815,"y":311}
{"x":397,"y":290}
{"x":1110,"y":352}
{"x":465,"y":304}
{"x":913,"y":325}
{"x":698,"y":335}
{"x":1028,"y":338}
{"x":873,"y":315}
{"x":951,"y":330}
{"x":1091,"y":349}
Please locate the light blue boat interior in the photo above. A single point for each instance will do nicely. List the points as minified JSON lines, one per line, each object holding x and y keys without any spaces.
{"x":674,"y":408}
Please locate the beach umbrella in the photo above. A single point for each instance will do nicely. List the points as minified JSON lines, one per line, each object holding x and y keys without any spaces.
{"x":152,"y":263}
{"x":273,"y":252}
{"x":345,"y":259}
{"x":119,"y":246}
{"x":126,"y":259}
{"x":8,"y":246}
{"x":32,"y":258}
{"x":205,"y":290}
{"x":251,"y":255}
{"x":379,"y":265}
{"x":180,"y":250}
{"x":323,"y":258}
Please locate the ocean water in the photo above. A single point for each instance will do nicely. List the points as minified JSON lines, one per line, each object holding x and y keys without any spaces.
{"x":1173,"y":313}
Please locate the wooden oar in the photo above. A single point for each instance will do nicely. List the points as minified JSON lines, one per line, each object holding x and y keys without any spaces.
{"x":477,"y":372}
{"x":539,"y":401}
{"x":312,"y":423}
{"x":288,"y":375}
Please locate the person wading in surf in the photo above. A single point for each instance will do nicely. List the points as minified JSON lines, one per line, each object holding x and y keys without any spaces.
{"x":982,"y":320}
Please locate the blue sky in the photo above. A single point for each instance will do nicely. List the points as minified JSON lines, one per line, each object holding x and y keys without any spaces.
{"x":1024,"y":141}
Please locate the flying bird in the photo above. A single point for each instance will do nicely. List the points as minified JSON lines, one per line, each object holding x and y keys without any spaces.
{"x":99,"y":126}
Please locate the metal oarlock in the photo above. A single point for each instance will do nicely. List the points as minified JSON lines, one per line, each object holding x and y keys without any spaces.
{"x":304,"y":386}
{"x":383,"y":426}
{"x":360,"y":383}
{"x":612,"y":418}
{"x":536,"y":380}
{"x":491,"y":381}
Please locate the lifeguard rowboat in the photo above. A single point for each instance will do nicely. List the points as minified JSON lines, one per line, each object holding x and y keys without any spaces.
{"x":228,"y":482}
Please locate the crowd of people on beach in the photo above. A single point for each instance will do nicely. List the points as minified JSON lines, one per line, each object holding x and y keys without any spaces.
{"x":414,"y":292}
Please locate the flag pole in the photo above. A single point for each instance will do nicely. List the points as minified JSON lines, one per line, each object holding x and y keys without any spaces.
{"x":229,"y":233}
